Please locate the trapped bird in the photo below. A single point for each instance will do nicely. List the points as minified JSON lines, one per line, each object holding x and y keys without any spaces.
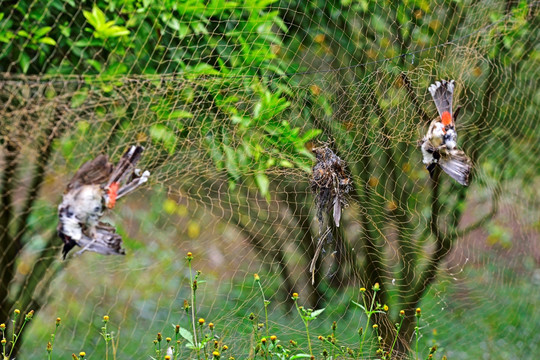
{"x":439,"y":145}
{"x":330,"y":184}
{"x":95,"y":187}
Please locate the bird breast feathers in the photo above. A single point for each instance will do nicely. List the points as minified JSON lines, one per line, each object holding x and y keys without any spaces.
{"x":85,"y":200}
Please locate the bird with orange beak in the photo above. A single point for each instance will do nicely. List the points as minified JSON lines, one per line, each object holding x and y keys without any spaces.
{"x":95,"y":187}
{"x":439,"y":145}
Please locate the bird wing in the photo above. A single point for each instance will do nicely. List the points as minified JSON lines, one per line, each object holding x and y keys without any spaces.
{"x":95,"y":171}
{"x":456,"y":164}
{"x":106,"y":242}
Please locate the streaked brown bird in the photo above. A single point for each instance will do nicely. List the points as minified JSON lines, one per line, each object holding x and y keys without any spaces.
{"x":95,"y":188}
{"x":439,"y":145}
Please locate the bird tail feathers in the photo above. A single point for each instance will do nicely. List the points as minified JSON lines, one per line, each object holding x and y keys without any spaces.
{"x":443,"y":93}
{"x":126,"y":163}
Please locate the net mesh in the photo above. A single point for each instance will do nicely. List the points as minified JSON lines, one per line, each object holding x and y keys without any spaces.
{"x":228,"y":99}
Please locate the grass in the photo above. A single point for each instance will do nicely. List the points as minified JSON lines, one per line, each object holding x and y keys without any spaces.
{"x":198,"y":339}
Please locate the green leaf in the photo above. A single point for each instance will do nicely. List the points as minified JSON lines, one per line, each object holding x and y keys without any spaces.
{"x":180,"y":114}
{"x":95,"y":64}
{"x":359,"y":305}
{"x":310,"y":134}
{"x":317,"y":313}
{"x":79,"y":98}
{"x":98,"y":15}
{"x":163,"y":134}
{"x":262,"y":183}
{"x":47,"y":40}
{"x":186,"y":334}
{"x":300,"y":356}
{"x":42,"y":31}
{"x":25,"y":62}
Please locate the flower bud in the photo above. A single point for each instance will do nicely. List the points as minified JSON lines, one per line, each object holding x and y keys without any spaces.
{"x":201,"y":321}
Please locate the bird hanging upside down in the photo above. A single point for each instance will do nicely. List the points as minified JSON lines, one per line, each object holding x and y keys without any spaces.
{"x":95,"y":187}
{"x":439,"y":146}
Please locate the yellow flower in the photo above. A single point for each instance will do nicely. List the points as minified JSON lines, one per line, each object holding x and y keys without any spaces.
{"x":201,"y":321}
{"x":106,"y":318}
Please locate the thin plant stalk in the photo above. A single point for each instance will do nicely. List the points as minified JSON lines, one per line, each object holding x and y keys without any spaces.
{"x":193,"y":302}
{"x":396,"y":337}
{"x":266,"y":302}
{"x":306,"y":323}
{"x":368,"y":318}
{"x":417,"y":330}
{"x":15,"y":337}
